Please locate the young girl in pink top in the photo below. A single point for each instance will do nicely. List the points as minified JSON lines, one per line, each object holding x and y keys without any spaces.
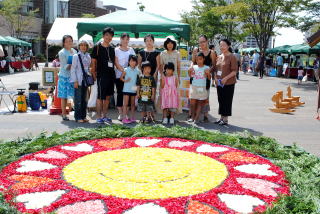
{"x":169,"y":93}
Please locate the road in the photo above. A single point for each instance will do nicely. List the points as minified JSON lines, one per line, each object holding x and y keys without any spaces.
{"x":250,"y":112}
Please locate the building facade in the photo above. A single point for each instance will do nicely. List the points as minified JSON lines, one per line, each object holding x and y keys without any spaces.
{"x":48,"y":11}
{"x":251,"y":42}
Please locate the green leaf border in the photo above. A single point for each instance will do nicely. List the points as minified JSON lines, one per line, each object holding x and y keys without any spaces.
{"x":302,"y":169}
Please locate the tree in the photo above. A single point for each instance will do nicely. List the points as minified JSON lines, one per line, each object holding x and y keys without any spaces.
{"x":311,"y":19}
{"x":16,"y":20}
{"x":203,"y":20}
{"x":261,"y":17}
{"x":141,"y":6}
{"x":88,"y":15}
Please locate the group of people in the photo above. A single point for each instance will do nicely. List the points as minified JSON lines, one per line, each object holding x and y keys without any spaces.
{"x":148,"y":80}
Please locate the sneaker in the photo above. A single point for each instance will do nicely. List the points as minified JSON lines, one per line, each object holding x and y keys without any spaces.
{"x":143,"y":120}
{"x":151,"y":120}
{"x":100,"y":121}
{"x":218,"y":121}
{"x":120,"y":117}
{"x":223,"y":123}
{"x":190,"y":120}
{"x":126,"y":121}
{"x":107,"y":120}
{"x":171,"y":121}
{"x":165,"y":121}
{"x":132,"y":120}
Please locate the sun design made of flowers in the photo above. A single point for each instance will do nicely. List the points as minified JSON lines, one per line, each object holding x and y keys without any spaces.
{"x":142,"y":175}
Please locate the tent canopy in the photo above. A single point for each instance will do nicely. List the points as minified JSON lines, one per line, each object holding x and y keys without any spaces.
{"x":15,"y":41}
{"x":4,"y":41}
{"x":280,"y":49}
{"x":137,"y":23}
{"x":63,"y":26}
{"x":304,"y":49}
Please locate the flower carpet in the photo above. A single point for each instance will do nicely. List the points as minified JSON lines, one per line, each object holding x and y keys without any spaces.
{"x":142,"y":175}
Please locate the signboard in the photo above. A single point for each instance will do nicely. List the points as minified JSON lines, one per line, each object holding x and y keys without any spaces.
{"x":49,"y":76}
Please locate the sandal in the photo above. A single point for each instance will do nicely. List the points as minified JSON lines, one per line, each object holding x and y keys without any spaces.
{"x":85,"y":120}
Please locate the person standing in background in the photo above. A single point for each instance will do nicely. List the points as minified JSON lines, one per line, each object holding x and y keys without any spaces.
{"x":279,"y":65}
{"x":255,"y":60}
{"x":237,"y":55}
{"x":260,"y":65}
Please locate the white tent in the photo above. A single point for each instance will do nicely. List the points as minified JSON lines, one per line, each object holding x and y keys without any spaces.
{"x":68,"y":26}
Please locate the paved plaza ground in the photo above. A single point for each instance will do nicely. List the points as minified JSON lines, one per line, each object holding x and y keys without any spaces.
{"x":250,"y":113}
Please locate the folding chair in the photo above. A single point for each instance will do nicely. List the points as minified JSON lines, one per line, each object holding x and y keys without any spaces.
{"x":7,"y":98}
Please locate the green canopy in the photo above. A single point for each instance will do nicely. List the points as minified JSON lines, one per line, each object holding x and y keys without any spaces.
{"x":280,"y":49}
{"x":4,"y":41}
{"x":304,"y":49}
{"x":136,"y":23}
{"x":15,"y":41}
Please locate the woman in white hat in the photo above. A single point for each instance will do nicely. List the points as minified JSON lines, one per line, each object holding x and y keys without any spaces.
{"x":80,"y":64}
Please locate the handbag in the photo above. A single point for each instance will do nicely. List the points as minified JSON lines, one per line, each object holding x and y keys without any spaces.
{"x":87,"y":79}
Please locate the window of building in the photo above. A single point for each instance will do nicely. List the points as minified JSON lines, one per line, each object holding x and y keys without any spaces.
{"x":63,"y":8}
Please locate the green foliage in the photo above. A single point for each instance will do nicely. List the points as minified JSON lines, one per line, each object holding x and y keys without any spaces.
{"x":16,"y":21}
{"x":203,"y":20}
{"x":311,"y":18}
{"x":302,"y":169}
{"x":259,"y":18}
{"x":88,"y":15}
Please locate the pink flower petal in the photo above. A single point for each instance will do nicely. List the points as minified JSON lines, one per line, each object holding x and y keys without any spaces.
{"x":88,"y":207}
{"x":258,"y":185}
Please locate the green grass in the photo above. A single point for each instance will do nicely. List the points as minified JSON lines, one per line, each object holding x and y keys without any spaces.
{"x":302,"y":169}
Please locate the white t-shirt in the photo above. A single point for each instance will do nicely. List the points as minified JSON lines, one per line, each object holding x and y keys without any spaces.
{"x":256,"y":58}
{"x":123,"y":58}
{"x":300,"y":73}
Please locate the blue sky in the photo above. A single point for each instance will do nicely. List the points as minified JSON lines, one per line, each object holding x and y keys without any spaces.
{"x":288,"y":36}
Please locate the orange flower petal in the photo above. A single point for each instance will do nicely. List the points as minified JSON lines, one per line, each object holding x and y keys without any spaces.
{"x":196,"y":207}
{"x":111,"y":143}
{"x":27,"y":182}
{"x":238,"y":156}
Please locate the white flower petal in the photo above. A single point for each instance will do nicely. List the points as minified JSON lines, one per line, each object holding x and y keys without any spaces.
{"x":258,"y":169}
{"x":149,"y":208}
{"x":51,"y":155}
{"x":180,"y":144}
{"x":146,"y":142}
{"x":241,"y":203}
{"x":30,"y":166}
{"x":38,"y":200}
{"x":208,"y":148}
{"x":83,"y":147}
